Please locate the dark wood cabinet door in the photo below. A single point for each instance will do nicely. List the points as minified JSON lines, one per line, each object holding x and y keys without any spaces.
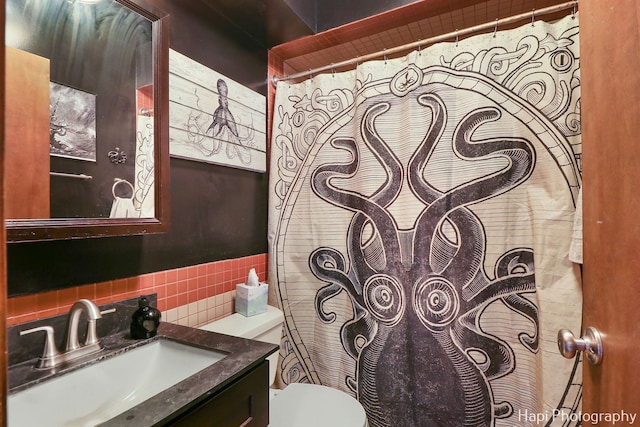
{"x":243,"y":403}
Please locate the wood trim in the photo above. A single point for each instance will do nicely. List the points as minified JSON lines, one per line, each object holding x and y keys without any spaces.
{"x":371,"y":25}
{"x":609,"y":46}
{"x":3,"y":240}
{"x":275,"y":68}
{"x":334,"y":42}
{"x":26,"y":176}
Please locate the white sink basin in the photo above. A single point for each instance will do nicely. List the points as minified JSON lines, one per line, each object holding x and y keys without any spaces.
{"x":97,"y":393}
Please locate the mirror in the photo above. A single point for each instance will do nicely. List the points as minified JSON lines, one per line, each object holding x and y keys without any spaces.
{"x":86,"y":119}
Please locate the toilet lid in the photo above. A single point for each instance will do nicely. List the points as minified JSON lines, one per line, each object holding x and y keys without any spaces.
{"x":312,"y":405}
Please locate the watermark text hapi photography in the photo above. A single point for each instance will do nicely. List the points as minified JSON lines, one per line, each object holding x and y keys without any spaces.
{"x":587,"y":418}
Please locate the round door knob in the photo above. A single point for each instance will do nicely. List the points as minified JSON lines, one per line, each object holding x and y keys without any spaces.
{"x":590,"y":344}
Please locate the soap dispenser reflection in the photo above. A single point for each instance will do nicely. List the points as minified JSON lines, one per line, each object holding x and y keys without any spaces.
{"x":145,"y":321}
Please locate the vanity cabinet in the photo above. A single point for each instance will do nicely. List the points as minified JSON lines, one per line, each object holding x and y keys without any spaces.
{"x":245,"y":402}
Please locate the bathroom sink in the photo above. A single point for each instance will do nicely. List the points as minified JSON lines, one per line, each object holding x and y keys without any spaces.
{"x":98,"y":392}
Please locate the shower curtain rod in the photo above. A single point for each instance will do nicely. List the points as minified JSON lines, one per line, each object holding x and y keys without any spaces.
{"x":420,"y":43}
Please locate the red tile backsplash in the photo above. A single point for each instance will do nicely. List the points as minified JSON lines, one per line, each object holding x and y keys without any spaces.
{"x":175,"y":288}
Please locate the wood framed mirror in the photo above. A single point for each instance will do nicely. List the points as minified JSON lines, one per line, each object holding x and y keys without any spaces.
{"x":86,"y":119}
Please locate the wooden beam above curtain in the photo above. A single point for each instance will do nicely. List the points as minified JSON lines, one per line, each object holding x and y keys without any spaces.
{"x":417,"y":21}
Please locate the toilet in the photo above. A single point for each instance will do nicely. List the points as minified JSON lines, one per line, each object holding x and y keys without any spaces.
{"x":298,"y":405}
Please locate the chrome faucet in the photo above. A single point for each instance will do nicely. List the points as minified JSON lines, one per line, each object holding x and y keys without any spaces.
{"x":51,"y":357}
{"x":93,"y":313}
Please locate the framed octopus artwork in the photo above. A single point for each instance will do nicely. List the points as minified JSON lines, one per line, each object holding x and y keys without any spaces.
{"x":214,"y":119}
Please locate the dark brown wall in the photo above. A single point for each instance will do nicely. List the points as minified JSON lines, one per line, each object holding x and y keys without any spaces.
{"x":216,"y":212}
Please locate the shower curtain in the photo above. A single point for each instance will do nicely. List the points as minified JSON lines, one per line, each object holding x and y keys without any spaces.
{"x":421,"y":212}
{"x":144,"y":196}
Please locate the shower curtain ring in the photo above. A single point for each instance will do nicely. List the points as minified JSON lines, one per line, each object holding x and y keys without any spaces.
{"x":333,"y":71}
{"x":456,"y":38}
{"x":495,"y":28}
{"x":533,"y":16}
{"x":573,"y":13}
{"x":419,"y":47}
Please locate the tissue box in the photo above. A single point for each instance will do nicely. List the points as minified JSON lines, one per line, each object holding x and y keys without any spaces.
{"x":251,"y":300}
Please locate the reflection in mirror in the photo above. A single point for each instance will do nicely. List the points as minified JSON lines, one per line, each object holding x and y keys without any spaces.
{"x":82,"y":119}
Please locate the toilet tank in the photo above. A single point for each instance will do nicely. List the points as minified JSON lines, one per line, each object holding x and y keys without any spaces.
{"x":265,"y":327}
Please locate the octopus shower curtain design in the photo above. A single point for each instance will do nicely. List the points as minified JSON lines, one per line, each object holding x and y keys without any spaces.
{"x":421,"y":214}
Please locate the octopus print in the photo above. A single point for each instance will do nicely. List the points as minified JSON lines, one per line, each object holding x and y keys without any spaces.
{"x":436,"y":285}
{"x":222,"y":117}
{"x":214,"y":118}
{"x":424,"y":209}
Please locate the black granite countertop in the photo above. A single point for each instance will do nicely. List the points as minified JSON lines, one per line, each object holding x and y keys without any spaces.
{"x":241,"y":356}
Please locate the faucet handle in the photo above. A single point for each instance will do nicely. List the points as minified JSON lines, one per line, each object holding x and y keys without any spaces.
{"x":109,"y":311}
{"x":50,"y":352}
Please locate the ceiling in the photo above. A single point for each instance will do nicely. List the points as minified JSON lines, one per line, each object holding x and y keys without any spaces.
{"x":266,"y":22}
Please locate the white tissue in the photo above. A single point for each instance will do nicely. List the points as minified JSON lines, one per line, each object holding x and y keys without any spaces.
{"x":252,"y":280}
